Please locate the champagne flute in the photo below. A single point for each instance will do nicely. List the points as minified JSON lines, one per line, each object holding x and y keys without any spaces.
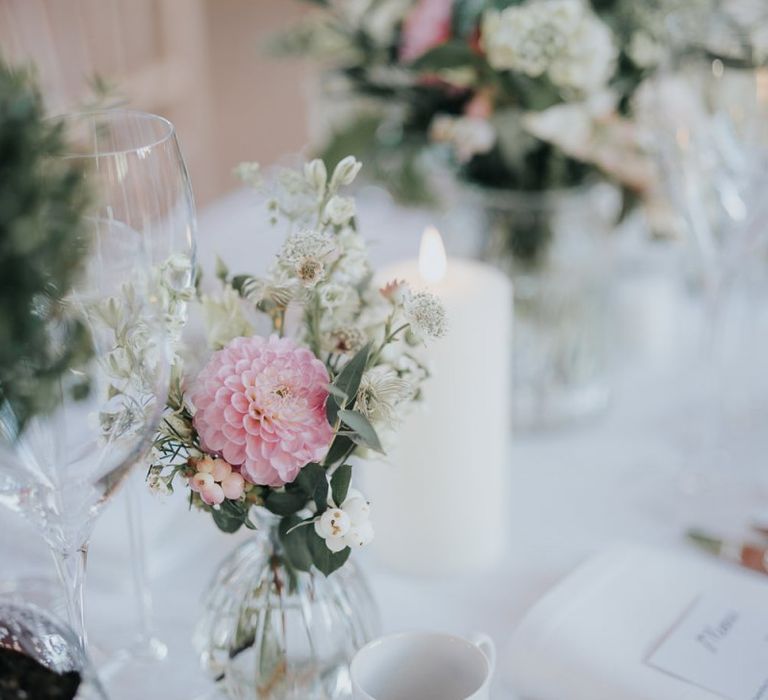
{"x":162,"y":204}
{"x":59,"y":469}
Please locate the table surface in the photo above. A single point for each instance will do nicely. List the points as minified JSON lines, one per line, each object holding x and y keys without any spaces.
{"x":634,"y":474}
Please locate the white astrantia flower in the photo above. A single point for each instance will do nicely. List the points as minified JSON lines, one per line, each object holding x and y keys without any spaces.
{"x":305,"y":255}
{"x":345,"y":340}
{"x":380,"y":394}
{"x":224,"y":319}
{"x":426,"y":314}
{"x":347,"y":525}
{"x":340,"y":210}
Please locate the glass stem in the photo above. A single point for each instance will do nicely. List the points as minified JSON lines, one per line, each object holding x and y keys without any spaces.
{"x":71,"y":567}
{"x":139,"y":567}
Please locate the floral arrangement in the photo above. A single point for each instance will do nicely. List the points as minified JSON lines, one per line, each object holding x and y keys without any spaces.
{"x":273,"y":417}
{"x":42,"y":248}
{"x":529,"y":95}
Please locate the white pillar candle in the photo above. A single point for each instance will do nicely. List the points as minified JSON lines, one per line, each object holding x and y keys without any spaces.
{"x":440,"y":497}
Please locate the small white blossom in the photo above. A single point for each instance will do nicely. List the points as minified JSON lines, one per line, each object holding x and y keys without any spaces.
{"x":316,"y":175}
{"x":340,"y":210}
{"x":426,"y":314}
{"x":345,"y":172}
{"x":354,"y":265}
{"x":347,"y":525}
{"x":341,"y":300}
{"x":157,"y":484}
{"x":249,"y":173}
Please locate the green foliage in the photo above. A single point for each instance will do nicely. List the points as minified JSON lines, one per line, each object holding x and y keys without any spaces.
{"x":340,"y":481}
{"x":361,"y":430}
{"x":230,"y":516}
{"x":43,"y":202}
{"x":347,"y":383}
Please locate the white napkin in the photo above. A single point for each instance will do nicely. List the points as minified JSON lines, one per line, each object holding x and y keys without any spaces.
{"x":589,"y":637}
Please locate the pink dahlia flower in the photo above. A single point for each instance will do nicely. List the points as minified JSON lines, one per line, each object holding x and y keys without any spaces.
{"x":428,"y":25}
{"x":261,"y":405}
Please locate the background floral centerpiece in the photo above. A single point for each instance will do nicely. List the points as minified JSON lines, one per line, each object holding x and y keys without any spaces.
{"x":494,"y":83}
{"x":311,"y":364}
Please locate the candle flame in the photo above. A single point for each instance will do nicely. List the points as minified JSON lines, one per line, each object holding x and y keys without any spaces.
{"x":432,"y":258}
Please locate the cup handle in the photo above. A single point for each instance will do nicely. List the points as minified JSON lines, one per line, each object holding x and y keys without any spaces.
{"x":486,"y":645}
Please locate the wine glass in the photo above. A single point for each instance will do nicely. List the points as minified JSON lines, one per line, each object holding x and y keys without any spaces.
{"x":59,"y":469}
{"x":709,"y":111}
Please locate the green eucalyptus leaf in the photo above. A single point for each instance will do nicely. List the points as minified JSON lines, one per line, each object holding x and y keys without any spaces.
{"x":339,"y":450}
{"x":362,"y":428}
{"x":229,"y":516}
{"x":348,"y":382}
{"x":340,"y":481}
{"x":323,"y":558}
{"x":313,"y":484}
{"x":285,"y":503}
{"x":295,"y":542}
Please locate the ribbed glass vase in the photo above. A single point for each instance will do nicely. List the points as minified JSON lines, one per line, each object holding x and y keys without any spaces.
{"x":269,"y":632}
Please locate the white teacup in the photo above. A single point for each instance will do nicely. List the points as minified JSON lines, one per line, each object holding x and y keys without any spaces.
{"x":424,"y":666}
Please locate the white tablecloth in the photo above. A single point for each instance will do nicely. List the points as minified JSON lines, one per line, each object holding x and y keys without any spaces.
{"x":622,"y":477}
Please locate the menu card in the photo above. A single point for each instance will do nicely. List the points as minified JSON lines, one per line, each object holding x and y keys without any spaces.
{"x":720,"y":646}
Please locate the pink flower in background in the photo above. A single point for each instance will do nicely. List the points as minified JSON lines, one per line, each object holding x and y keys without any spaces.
{"x":480,"y":106}
{"x":260,"y":403}
{"x":426,"y":26}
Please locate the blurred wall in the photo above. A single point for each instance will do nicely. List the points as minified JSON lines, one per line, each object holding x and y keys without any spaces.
{"x":200,"y":63}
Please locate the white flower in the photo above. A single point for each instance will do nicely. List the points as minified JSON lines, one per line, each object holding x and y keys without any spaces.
{"x":561,"y":38}
{"x":380,"y":394}
{"x":305,"y":255}
{"x":645,"y":50}
{"x":589,"y":58}
{"x":340,"y":210}
{"x":249,"y":173}
{"x":316,"y":175}
{"x":468,"y":136}
{"x":426,"y":314}
{"x":341,"y":300}
{"x":345,"y":172}
{"x":157,"y":484}
{"x":224,"y":319}
{"x":354,"y":265}
{"x":345,"y":340}
{"x":347,"y":525}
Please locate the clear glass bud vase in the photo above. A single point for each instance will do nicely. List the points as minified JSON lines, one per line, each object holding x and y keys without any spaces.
{"x":270,"y":632}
